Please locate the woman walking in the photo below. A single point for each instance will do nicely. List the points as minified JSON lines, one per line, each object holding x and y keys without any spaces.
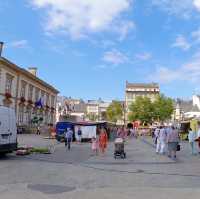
{"x":192,"y":138}
{"x":103,"y":139}
{"x":172,"y":140}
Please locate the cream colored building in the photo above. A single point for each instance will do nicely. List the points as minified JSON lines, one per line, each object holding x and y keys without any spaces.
{"x":97,"y":108}
{"x":20,"y":89}
{"x":134,"y":90}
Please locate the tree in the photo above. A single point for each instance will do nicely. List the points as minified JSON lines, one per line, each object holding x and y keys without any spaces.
{"x":146,"y":111}
{"x":163,"y":108}
{"x":92,"y":116}
{"x":142,"y":109}
{"x":114,"y":112}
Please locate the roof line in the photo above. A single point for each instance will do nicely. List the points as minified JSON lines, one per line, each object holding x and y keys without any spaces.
{"x":24,"y":71}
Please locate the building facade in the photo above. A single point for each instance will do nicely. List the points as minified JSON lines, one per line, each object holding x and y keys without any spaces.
{"x":70,"y":109}
{"x":133,"y":90}
{"x":80,"y":110}
{"x":97,"y":109}
{"x":21,"y":89}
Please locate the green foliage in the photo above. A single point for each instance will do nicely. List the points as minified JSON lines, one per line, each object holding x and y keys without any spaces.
{"x":92,"y":117}
{"x":39,"y":150}
{"x":163,"y":108}
{"x":142,"y":109}
{"x":114,"y":112}
{"x":146,"y":111}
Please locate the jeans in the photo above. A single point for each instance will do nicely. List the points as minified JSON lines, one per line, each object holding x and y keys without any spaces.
{"x":161,"y":146}
{"x":192,"y":144}
{"x":68,"y":143}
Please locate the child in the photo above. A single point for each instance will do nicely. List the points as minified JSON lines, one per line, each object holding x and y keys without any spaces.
{"x":95,"y":145}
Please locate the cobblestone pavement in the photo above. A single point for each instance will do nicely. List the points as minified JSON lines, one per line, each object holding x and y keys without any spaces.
{"x":78,"y":174}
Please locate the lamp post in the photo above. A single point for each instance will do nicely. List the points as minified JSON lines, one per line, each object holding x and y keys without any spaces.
{"x":1,"y":47}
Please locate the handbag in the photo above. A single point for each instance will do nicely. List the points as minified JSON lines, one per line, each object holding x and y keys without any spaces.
{"x":178,"y":147}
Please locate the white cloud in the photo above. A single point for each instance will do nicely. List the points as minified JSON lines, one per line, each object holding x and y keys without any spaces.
{"x":196,"y":35}
{"x":197,"y":4}
{"x":143,"y":56}
{"x":115,"y":57}
{"x":19,"y":44}
{"x":181,"y":43}
{"x":124,"y":29}
{"x":80,"y":17}
{"x":189,"y":72}
{"x":181,"y":8}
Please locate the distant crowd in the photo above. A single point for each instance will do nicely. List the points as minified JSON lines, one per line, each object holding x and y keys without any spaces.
{"x":99,"y":143}
{"x":167,"y":140}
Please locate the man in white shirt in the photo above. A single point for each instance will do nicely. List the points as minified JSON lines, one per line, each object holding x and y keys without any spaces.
{"x":161,"y":141}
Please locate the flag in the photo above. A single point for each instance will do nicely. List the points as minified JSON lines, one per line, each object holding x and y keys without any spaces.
{"x":39,"y":103}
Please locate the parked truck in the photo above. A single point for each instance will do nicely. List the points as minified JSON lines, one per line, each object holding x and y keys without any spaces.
{"x":8,"y":130}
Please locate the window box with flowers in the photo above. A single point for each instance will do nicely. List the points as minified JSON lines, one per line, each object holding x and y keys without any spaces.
{"x":52,"y":109}
{"x":30,"y":102}
{"x":8,"y":95}
{"x":22,"y":100}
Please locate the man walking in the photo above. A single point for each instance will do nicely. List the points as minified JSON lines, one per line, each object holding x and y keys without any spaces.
{"x":161,"y":141}
{"x":68,"y":138}
{"x":79,"y":135}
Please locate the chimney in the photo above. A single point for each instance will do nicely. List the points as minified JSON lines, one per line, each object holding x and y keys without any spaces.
{"x":33,"y":71}
{"x":1,"y":47}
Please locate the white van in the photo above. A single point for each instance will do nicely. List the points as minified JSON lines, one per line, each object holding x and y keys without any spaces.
{"x":8,"y":130}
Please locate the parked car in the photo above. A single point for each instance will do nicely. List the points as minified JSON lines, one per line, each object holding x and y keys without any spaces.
{"x":8,"y":130}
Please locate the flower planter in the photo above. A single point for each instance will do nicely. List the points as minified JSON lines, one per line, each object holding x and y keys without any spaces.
{"x":8,"y":95}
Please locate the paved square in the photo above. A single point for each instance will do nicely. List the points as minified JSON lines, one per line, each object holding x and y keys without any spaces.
{"x":77,"y":174}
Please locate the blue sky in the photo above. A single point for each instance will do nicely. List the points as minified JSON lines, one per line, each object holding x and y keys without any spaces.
{"x":89,"y":48}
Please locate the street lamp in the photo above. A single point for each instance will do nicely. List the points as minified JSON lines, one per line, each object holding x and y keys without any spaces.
{"x":1,"y":47}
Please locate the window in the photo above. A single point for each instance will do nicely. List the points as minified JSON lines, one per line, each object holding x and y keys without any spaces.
{"x":42,"y":96}
{"x":9,"y":79}
{"x":29,"y":114}
{"x":47,"y":99}
{"x":30,"y":92}
{"x":23,"y":89}
{"x":52,"y":101}
{"x":21,"y":115}
{"x":37,"y":94}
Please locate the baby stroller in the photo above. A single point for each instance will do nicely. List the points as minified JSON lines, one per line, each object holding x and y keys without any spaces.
{"x":119,"y":148}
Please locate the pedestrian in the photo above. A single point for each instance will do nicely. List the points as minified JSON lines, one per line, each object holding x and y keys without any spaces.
{"x":161,"y":141}
{"x":68,"y":138}
{"x":122,"y":133}
{"x":192,"y":138}
{"x":38,"y":130}
{"x":133,"y":133}
{"x":103,"y":139}
{"x":79,"y":135}
{"x":198,"y":139}
{"x":156,"y":135}
{"x":172,"y":140}
{"x":95,"y":147}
